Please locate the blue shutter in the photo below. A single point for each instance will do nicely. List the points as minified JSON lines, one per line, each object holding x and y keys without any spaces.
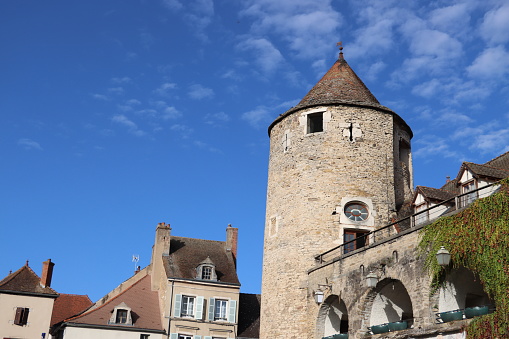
{"x":207,"y":337}
{"x":174,"y":336}
{"x":199,"y":309}
{"x":212,"y":304}
{"x":197,"y":337}
{"x":176,"y":310}
{"x":232,"y":312}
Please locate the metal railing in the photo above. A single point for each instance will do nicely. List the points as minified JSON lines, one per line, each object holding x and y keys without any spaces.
{"x":416,"y":219}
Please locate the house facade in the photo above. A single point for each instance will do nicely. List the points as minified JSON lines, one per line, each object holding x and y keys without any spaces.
{"x":26,"y":303}
{"x":190,"y":290}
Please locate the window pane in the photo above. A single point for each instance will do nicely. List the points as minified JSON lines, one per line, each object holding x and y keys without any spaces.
{"x":121,"y":317}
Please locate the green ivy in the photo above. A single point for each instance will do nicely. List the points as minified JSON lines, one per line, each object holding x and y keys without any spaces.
{"x":478,"y":239}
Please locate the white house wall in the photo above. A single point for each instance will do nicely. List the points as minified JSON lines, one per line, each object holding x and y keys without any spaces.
{"x":92,"y":333}
{"x":39,"y":316}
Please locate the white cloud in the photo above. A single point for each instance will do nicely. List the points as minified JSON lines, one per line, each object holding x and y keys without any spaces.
{"x":266,"y":55}
{"x":433,"y":146}
{"x":492,"y":63}
{"x":306,"y":25}
{"x":216,"y":118}
{"x":495,"y":26}
{"x":123,"y":80}
{"x":131,"y":126}
{"x":199,"y":92}
{"x":99,"y":96}
{"x":29,"y":144}
{"x":165,"y":89}
{"x":116,"y":90}
{"x":257,"y":117}
{"x":454,"y":19}
{"x":172,"y":4}
{"x":183,"y":130}
{"x":129,"y":105}
{"x":170,"y":112}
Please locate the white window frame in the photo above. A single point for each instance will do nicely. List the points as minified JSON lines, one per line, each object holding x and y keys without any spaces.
{"x":187,"y":309}
{"x":221,"y":310}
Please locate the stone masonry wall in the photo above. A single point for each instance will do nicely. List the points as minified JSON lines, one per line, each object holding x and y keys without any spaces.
{"x":309,"y":174}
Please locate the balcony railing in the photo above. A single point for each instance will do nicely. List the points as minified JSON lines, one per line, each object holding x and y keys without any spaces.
{"x":417,"y":219}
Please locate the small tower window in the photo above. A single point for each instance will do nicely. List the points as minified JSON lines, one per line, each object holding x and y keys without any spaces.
{"x":315,"y":122}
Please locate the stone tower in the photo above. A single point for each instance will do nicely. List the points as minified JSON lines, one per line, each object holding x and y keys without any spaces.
{"x":340,"y":166}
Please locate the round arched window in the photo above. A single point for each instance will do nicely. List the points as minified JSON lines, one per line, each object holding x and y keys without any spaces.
{"x":356,"y":211}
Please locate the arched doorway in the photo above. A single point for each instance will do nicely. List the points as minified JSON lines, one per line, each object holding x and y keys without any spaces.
{"x":391,"y":303}
{"x":332,"y":317}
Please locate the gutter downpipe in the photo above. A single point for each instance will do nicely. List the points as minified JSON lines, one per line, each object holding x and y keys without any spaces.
{"x":171,"y":307}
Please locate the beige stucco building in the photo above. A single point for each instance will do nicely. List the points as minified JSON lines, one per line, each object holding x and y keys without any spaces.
{"x":26,"y":303}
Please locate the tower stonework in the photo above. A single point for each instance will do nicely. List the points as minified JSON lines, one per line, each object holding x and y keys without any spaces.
{"x":340,"y":165}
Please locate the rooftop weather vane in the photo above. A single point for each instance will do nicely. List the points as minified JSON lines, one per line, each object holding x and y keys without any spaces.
{"x":340,"y":44}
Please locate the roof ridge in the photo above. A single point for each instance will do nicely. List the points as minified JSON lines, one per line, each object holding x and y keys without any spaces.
{"x":501,"y":155}
{"x":198,"y":239}
{"x":107,"y":302}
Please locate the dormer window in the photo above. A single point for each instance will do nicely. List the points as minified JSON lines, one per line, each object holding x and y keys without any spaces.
{"x":206,"y":270}
{"x":469,"y":187}
{"x":121,"y":315}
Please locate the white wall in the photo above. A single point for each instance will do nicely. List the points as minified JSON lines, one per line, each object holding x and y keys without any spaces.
{"x":92,"y":333}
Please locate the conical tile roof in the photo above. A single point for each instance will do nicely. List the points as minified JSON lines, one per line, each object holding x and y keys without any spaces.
{"x":339,"y":85}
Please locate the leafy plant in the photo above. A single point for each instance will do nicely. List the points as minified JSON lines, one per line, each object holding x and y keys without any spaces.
{"x":478,"y":239}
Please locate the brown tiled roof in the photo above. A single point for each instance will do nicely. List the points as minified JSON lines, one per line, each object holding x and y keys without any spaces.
{"x":249,"y":316}
{"x":486,"y":171}
{"x":340,"y":85}
{"x":25,"y":280}
{"x":144,"y":304}
{"x":451,"y":186}
{"x":68,"y":305}
{"x":434,"y":193}
{"x":187,"y":253}
{"x":501,"y":162}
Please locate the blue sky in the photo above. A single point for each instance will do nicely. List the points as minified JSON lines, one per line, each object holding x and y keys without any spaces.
{"x":117,"y":115}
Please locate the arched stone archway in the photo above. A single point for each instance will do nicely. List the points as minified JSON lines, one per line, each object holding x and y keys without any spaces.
{"x":332,"y":317}
{"x":390,"y":302}
{"x":460,"y":290}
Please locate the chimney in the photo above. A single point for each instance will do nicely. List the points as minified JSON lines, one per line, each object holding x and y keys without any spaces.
{"x":161,"y":248}
{"x":47,"y":273}
{"x":231,"y":239}
{"x":447,"y":179}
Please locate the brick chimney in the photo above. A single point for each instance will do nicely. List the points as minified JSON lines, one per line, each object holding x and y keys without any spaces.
{"x":231,"y":239}
{"x":47,"y":273}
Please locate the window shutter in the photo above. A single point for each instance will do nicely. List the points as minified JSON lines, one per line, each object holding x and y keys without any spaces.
{"x":18,"y":316}
{"x":232,"y":312}
{"x":212,"y":304}
{"x":176,"y":310}
{"x":174,"y":336}
{"x":207,"y":337}
{"x":197,"y":337}
{"x":199,"y":309}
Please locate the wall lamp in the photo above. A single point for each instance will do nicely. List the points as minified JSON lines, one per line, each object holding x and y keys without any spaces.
{"x":372,"y":277}
{"x":443,"y":257}
{"x":319,"y":295}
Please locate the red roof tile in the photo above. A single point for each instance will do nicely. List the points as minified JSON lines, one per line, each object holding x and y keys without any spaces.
{"x":144,"y":304}
{"x":68,"y":305}
{"x":26,"y":281}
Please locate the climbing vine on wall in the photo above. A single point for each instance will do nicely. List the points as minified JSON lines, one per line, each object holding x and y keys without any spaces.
{"x":478,"y":239}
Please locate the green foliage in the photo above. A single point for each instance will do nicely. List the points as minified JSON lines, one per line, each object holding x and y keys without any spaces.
{"x":478,"y":239}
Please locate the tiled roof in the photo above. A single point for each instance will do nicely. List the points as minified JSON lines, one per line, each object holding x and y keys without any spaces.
{"x":144,"y":304}
{"x":486,"y":171}
{"x":434,"y":193}
{"x":26,"y":281}
{"x":501,"y":162}
{"x":249,"y":316}
{"x":187,"y":253}
{"x":340,"y":85}
{"x":68,"y":305}
{"x":451,"y":186}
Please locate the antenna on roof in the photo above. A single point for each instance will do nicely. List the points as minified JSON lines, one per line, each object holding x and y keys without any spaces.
{"x":136,"y":258}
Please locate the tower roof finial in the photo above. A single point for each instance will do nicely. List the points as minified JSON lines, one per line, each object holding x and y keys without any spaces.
{"x":340,"y":44}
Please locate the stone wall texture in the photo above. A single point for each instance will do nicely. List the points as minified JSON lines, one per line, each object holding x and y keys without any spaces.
{"x":357,"y":155}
